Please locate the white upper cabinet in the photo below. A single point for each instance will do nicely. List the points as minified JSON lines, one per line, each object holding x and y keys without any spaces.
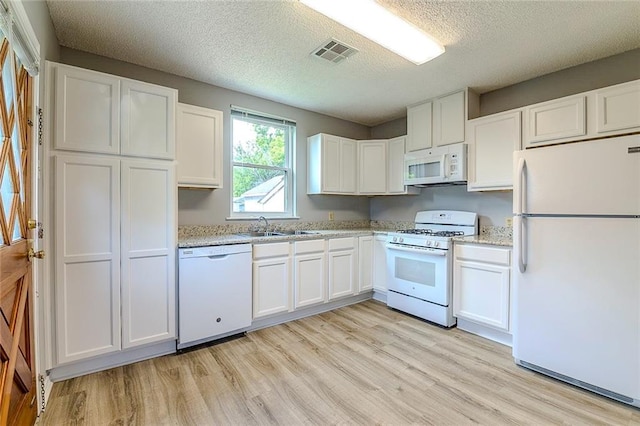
{"x":148,"y":120}
{"x":449,"y":117}
{"x":87,"y":108}
{"x":557,"y":119}
{"x":372,"y":155}
{"x":610,"y":111}
{"x":199,"y":147}
{"x":419,"y":127}
{"x":331,"y":165}
{"x":440,"y":121}
{"x":395,"y":168}
{"x":492,"y":141}
{"x":618,"y":108}
{"x":105,"y":114}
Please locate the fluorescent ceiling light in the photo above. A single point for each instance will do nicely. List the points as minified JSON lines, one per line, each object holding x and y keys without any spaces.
{"x":378,"y":24}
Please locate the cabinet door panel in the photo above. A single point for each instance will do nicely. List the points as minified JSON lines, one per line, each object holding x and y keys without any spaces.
{"x":348,"y":166}
{"x":341,"y":273}
{"x":395,"y":166}
{"x":331,"y":165}
{"x":148,"y":120}
{"x":564,"y":118}
{"x":380,"y":264}
{"x":365,"y":265}
{"x":87,"y":257}
{"x":481,"y":293}
{"x":199,"y":147}
{"x":449,"y":119}
{"x":87,"y":111}
{"x":271,"y":286}
{"x":419,"y":127}
{"x":618,"y":108}
{"x":148,"y":244}
{"x":309,"y":279}
{"x":373,"y":167}
{"x":492,"y":141}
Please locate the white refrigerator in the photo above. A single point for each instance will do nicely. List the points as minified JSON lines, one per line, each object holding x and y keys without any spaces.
{"x":577,"y":277}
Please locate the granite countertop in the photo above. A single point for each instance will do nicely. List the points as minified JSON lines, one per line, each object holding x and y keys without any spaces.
{"x":226,"y":239}
{"x":484,"y":239}
{"x":492,"y":235}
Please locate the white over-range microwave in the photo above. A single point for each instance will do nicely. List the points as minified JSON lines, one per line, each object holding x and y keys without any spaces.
{"x":444,"y":164}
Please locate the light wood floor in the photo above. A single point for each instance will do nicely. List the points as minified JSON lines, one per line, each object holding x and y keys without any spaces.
{"x":363,"y":364}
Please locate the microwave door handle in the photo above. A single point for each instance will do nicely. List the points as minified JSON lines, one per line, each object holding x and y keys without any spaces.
{"x":443,"y":168}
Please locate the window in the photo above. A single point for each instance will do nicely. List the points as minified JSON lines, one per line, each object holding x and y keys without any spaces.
{"x":262,"y":165}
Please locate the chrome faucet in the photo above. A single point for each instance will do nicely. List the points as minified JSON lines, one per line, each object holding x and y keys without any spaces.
{"x":266,"y":223}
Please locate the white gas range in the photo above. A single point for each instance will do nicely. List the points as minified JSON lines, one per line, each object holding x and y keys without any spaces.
{"x":420,"y":263}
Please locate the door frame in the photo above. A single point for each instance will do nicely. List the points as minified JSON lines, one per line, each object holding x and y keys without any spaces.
{"x":42,"y":338}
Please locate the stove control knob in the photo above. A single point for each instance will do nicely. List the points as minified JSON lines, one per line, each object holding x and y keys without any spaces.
{"x":436,"y":244}
{"x":428,"y":243}
{"x":395,"y":239}
{"x":401,"y":240}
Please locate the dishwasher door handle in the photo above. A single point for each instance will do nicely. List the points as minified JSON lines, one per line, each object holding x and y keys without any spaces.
{"x":219,"y":256}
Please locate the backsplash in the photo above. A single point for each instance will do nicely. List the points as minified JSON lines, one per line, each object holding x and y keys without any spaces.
{"x":499,"y":232}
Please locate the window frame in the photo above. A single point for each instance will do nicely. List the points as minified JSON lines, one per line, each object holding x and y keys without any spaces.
{"x":289,"y":127}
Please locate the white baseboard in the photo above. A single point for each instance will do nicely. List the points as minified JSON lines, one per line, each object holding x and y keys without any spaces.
{"x":105,"y":362}
{"x":486,"y":332}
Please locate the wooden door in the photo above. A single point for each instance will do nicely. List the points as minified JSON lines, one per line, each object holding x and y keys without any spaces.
{"x":17,"y":379}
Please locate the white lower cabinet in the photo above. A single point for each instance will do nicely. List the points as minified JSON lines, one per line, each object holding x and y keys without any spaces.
{"x":365,"y":264}
{"x":481,"y":285}
{"x":380,"y":263}
{"x":271,"y":279}
{"x":309,"y":266}
{"x":114,"y":254}
{"x":342,"y":269}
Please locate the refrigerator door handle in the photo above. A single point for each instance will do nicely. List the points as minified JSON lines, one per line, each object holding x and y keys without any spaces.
{"x":522,"y":244}
{"x":520,"y":188}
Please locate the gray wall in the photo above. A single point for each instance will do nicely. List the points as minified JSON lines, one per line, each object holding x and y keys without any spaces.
{"x":205,"y":207}
{"x":390,"y":129}
{"x":582,"y":78}
{"x":494,"y":207}
{"x":38,"y":14}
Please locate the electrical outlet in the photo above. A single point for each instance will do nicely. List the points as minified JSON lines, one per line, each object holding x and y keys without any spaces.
{"x":331,"y":216}
{"x":508,"y":221}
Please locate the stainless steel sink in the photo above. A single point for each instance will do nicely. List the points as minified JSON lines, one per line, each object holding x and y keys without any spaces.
{"x":261,"y":234}
{"x":296,"y":232}
{"x":276,"y":233}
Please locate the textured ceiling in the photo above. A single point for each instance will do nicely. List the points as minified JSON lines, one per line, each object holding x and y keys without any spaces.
{"x":262,"y":47}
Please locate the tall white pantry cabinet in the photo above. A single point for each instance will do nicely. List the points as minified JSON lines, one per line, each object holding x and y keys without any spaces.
{"x":113,"y":213}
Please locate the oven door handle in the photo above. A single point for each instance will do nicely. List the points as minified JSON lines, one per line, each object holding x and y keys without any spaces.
{"x":428,"y":251}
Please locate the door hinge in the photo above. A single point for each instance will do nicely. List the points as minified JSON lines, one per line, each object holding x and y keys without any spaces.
{"x":29,"y":122}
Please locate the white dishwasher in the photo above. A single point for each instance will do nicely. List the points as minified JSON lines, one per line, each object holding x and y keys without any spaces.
{"x":214,"y":292}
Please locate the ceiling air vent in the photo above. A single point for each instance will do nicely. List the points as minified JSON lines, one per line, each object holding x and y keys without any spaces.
{"x":334,"y":51}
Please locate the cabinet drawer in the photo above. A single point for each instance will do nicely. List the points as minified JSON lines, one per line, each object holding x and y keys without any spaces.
{"x":499,"y":256}
{"x":313,"y":246}
{"x":342,"y":244}
{"x":261,"y":251}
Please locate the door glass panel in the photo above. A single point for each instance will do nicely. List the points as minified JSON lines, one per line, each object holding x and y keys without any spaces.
{"x":7,"y":193}
{"x":7,"y":86}
{"x":416,"y":271}
{"x":16,"y":231}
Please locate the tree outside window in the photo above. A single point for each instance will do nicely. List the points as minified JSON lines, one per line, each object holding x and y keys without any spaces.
{"x":262,"y":166}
